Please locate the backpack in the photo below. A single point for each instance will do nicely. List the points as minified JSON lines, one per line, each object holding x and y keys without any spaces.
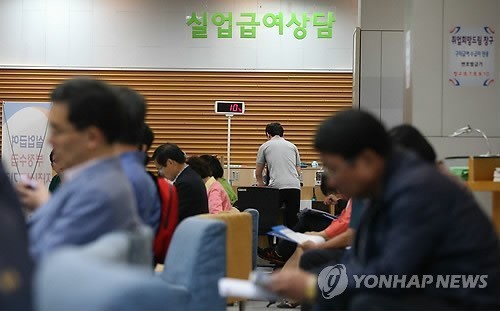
{"x":168,"y":219}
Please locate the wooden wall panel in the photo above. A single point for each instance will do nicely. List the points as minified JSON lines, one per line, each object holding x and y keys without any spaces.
{"x":181,"y":104}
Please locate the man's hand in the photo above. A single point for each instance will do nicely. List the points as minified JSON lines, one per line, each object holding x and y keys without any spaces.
{"x":318,"y":233}
{"x":32,"y":198}
{"x":330,"y":200}
{"x":260,"y":184}
{"x":292,"y":284}
{"x":308,"y":245}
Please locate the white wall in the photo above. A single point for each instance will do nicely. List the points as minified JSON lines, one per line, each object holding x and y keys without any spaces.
{"x":382,"y":59}
{"x":434,"y":105}
{"x":153,"y":33}
{"x":381,"y":14}
{"x":430,"y":102}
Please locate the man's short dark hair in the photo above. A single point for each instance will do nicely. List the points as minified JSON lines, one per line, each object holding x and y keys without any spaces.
{"x":410,"y":138}
{"x":169,"y":151}
{"x":324,"y":187}
{"x":199,"y":166}
{"x":274,"y":129}
{"x":134,"y":112}
{"x":148,"y":137}
{"x":51,"y":156}
{"x":350,"y":132}
{"x":90,"y":103}
{"x":214,"y":165}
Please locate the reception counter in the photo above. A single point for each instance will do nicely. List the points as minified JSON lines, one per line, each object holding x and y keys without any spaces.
{"x":245,"y":176}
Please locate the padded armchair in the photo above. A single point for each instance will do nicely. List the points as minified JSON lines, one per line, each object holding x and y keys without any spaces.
{"x":239,"y":244}
{"x":123,"y":247}
{"x":255,"y":234}
{"x":70,"y":280}
{"x":196,"y":260}
{"x":75,"y":279}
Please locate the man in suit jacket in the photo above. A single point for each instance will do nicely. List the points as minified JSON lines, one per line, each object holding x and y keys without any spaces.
{"x":95,"y":197}
{"x":15,"y":262}
{"x":170,"y":161}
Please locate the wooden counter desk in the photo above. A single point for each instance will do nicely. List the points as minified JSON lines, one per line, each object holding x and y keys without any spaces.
{"x":481,"y":171}
{"x":245,"y":176}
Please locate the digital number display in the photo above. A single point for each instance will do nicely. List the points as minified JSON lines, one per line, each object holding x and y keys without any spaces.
{"x":229,"y":107}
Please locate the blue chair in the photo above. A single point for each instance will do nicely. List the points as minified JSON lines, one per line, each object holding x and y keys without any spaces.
{"x":255,"y":234}
{"x":196,"y":260}
{"x":75,"y":279}
{"x":68,"y":280}
{"x":123,"y":247}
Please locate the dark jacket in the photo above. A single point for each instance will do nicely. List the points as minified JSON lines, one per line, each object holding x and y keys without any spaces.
{"x":15,"y":262}
{"x":425,"y":223}
{"x":192,"y":194}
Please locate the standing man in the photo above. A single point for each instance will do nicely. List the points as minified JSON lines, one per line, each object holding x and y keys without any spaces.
{"x":283,"y":164}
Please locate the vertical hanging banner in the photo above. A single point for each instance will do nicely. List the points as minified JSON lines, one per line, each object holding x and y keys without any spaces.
{"x":471,"y":56}
{"x":25,"y":150}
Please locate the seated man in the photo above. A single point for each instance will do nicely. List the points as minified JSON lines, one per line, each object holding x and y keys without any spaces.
{"x":336,"y":228}
{"x":56,"y":180}
{"x":146,"y":195}
{"x":317,"y":256}
{"x":95,"y":197}
{"x":170,"y":161}
{"x":312,"y":223}
{"x":417,"y":223}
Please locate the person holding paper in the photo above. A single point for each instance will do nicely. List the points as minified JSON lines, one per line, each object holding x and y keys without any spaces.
{"x":416,"y":222}
{"x":312,"y":222}
{"x":95,"y":197}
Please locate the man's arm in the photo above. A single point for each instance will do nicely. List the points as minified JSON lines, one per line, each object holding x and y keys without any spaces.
{"x":418,"y":222}
{"x":258,"y":174}
{"x":186,"y":199}
{"x":340,"y":241}
{"x":259,"y":167}
{"x":297,"y":162}
{"x":82,"y":219}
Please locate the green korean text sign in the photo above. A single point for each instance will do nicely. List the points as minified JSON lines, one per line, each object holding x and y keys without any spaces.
{"x":247,"y":24}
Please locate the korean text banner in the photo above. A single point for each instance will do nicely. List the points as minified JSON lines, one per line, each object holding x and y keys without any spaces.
{"x":472,"y":56}
{"x":25,"y":150}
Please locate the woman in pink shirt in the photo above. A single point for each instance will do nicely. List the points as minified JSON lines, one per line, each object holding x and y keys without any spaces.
{"x":218,"y":200}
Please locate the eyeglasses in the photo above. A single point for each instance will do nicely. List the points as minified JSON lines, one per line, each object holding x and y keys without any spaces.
{"x":339,"y":170}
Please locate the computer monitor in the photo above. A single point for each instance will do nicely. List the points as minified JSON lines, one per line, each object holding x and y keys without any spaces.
{"x":264,"y":199}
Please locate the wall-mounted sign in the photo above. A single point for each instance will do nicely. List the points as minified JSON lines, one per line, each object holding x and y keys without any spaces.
{"x":249,"y":22}
{"x":232,"y":108}
{"x":471,"y":56}
{"x":25,"y":151}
